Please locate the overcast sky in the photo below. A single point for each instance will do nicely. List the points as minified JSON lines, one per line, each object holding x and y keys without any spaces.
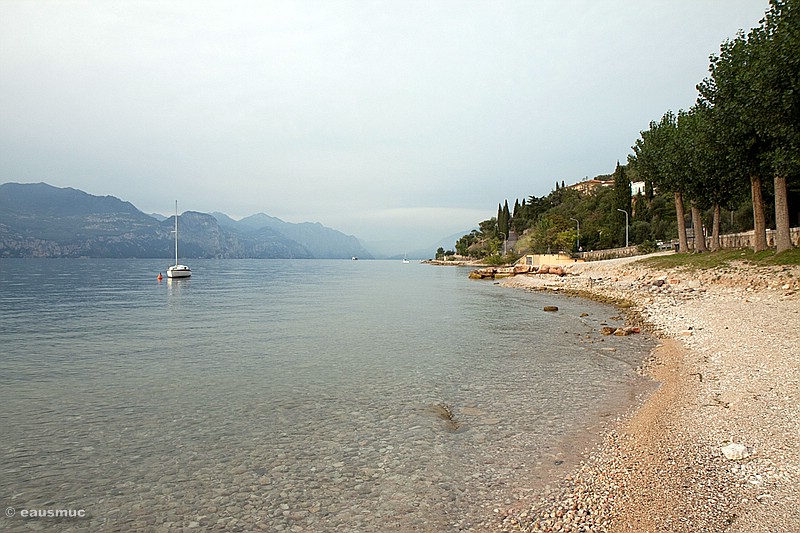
{"x":404,"y":120}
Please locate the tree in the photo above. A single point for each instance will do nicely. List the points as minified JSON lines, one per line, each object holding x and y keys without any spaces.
{"x":730,"y":95}
{"x":501,"y":223}
{"x":622,"y":190}
{"x":654,"y":160}
{"x":753,"y":88}
{"x":776,"y":82}
{"x":714,"y":180}
{"x":689,"y":158}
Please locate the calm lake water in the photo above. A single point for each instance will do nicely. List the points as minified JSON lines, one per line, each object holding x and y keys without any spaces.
{"x":291,"y":395}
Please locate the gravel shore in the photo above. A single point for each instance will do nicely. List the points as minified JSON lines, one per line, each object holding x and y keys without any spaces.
{"x":717,"y":447}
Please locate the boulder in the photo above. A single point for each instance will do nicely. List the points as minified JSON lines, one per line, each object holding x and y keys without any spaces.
{"x":551,"y":308}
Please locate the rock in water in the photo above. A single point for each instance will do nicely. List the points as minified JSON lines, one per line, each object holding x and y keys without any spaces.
{"x":551,"y":308}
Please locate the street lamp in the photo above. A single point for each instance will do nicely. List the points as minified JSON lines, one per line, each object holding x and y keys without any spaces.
{"x":579,"y":232}
{"x":626,"y":225}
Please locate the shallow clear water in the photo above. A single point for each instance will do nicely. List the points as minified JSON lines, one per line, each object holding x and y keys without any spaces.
{"x":290,"y":395}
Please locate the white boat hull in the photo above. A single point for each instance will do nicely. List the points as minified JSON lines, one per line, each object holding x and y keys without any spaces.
{"x":179,"y":271}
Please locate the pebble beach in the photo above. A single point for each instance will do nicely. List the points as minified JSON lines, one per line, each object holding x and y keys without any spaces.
{"x":715,"y":448}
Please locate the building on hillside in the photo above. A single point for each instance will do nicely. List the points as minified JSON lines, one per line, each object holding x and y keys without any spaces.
{"x":590,"y":186}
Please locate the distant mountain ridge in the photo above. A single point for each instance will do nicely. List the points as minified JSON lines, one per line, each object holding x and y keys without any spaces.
{"x":40,"y":220}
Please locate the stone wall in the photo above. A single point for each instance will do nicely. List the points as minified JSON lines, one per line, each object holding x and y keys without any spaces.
{"x":611,"y":253}
{"x":745,"y":240}
{"x":731,"y":240}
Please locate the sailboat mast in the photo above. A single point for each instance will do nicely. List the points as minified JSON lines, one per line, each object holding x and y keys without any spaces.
{"x":176,"y":232}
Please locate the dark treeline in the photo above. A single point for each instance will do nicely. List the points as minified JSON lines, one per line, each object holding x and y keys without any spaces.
{"x":729,"y":163}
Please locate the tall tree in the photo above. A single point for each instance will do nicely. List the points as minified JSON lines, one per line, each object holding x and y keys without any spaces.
{"x":690,"y":170}
{"x":776,"y":83}
{"x":718,"y":179}
{"x":753,"y":90}
{"x":653,"y":158}
{"x":503,"y":218}
{"x":622,"y":190}
{"x":506,"y":218}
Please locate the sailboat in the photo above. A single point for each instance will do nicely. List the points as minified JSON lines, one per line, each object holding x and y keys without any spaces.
{"x":178,"y":270}
{"x":405,"y":259}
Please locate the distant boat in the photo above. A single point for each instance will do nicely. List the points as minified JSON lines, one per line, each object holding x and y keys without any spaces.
{"x":178,"y":270}
{"x":355,"y":258}
{"x":405,"y":259}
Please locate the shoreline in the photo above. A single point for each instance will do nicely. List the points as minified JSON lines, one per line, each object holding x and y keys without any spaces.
{"x":728,"y":366}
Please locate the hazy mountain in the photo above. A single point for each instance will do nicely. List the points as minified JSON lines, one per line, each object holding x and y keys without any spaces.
{"x":39,"y":220}
{"x":449,"y":242}
{"x":224,"y":220}
{"x":319,"y":240}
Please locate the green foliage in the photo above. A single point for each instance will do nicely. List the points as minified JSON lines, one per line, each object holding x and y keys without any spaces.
{"x":622,"y":189}
{"x":498,"y":259}
{"x":647,"y":247}
{"x":503,"y":221}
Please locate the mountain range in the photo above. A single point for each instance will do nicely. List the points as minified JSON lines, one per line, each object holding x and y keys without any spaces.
{"x":39,"y":220}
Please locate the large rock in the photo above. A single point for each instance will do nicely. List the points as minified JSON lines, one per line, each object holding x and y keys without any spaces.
{"x":735,"y":451}
{"x":555,"y":269}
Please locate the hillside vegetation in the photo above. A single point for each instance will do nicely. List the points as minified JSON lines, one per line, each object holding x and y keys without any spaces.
{"x":729,"y":163}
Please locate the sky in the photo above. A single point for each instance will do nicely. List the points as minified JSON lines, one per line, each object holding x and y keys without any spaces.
{"x":398,"y":121}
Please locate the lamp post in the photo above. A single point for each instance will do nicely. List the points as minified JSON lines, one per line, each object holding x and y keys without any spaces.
{"x":626,"y":225}
{"x":579,"y":232}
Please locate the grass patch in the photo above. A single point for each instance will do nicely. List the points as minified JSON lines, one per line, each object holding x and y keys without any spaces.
{"x":723,"y":258}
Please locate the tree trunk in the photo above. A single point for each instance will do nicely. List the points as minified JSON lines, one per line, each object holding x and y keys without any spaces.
{"x":783,"y":241}
{"x":697,"y":225}
{"x":759,"y":220}
{"x":683,"y":246}
{"x":715,"y":244}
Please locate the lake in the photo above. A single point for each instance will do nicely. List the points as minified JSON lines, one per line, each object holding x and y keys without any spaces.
{"x":284,"y":395}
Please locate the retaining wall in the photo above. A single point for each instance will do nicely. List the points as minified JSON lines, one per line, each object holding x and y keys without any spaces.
{"x":731,"y":240}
